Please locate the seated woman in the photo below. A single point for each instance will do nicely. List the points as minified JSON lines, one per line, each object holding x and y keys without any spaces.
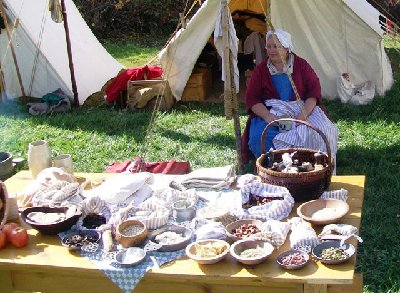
{"x":270,"y":95}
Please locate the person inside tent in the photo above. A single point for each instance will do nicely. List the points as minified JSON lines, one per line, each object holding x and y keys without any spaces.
{"x":270,"y":95}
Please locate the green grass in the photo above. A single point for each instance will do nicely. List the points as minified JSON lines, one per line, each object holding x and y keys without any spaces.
{"x":369,"y":144}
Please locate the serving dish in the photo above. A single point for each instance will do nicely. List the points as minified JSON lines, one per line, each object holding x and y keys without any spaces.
{"x":72,"y":214}
{"x":251,"y":246}
{"x":130,"y":257}
{"x":241,"y":225}
{"x":75,"y":240}
{"x":323,"y":211}
{"x":208,"y":251}
{"x":348,"y":248}
{"x":293,"y":259}
{"x":185,"y":233}
{"x":131,"y":233}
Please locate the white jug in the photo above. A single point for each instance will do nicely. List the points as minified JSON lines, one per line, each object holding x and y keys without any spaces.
{"x":39,"y":157}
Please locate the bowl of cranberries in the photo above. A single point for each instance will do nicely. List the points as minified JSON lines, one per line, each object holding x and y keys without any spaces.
{"x":243,"y":229}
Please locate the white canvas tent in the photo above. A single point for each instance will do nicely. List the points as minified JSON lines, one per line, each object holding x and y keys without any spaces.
{"x":41,"y":52}
{"x":334,"y":36}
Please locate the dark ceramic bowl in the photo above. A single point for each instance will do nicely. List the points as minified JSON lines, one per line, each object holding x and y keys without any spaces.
{"x":347,"y":247}
{"x":51,"y":228}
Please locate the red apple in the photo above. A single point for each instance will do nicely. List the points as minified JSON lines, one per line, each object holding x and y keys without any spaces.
{"x":19,"y":237}
{"x":7,"y":228}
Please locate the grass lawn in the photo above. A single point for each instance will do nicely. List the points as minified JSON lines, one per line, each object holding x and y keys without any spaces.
{"x":369,"y":144}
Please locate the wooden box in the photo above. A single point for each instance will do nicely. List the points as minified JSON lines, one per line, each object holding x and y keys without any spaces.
{"x":198,"y":85}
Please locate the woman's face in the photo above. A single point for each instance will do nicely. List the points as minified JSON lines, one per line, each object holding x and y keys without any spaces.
{"x":275,"y":49}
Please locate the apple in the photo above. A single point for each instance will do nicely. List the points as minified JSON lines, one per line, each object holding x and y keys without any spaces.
{"x":3,"y":239}
{"x":19,"y":237}
{"x":7,"y":228}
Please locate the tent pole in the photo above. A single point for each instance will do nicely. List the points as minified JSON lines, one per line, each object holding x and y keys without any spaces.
{"x":3,"y":15}
{"x":230,"y":98}
{"x":71,"y":64}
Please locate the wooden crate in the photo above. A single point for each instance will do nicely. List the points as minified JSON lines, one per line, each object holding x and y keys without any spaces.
{"x":198,"y":85}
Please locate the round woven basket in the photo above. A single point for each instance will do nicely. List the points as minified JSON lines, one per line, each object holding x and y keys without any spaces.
{"x":303,"y":186}
{"x":130,"y":240}
{"x":3,"y":204}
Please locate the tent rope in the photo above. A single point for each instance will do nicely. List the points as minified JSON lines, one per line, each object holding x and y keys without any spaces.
{"x":155,"y":113}
{"x":11,"y":46}
{"x":38,"y":45}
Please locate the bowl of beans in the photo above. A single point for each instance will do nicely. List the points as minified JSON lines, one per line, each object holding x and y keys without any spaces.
{"x":131,"y":233}
{"x":332,"y":252}
{"x":75,"y":240}
{"x":251,"y":251}
{"x":242,"y":229}
{"x":292,"y":259}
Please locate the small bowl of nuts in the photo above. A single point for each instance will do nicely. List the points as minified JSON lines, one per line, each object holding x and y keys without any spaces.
{"x":333,"y":252}
{"x":250,"y":251}
{"x":293,"y":259}
{"x":131,"y":233}
{"x":243,"y":229}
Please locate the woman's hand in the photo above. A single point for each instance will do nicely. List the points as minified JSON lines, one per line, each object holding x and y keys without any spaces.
{"x":270,"y":117}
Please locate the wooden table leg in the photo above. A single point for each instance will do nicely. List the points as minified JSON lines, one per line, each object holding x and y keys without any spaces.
{"x":6,"y":282}
{"x":315,"y":288}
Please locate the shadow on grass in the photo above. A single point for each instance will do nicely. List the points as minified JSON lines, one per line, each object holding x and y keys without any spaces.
{"x":378,"y":255}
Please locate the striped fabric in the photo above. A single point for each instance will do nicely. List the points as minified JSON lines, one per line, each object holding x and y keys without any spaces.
{"x":276,"y":209}
{"x":302,"y":135}
{"x":303,"y":236}
{"x":274,"y":232}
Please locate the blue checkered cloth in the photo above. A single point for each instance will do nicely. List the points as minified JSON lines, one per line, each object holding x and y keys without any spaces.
{"x":127,"y":278}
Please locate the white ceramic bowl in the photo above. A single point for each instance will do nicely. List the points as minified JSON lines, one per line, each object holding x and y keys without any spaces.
{"x":191,"y":251}
{"x":239,"y":246}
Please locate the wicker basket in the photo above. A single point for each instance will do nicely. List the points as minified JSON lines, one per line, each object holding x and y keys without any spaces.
{"x":302,"y":186}
{"x":3,"y":204}
{"x":130,"y":240}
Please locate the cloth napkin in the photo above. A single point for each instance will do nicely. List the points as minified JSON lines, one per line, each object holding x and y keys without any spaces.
{"x":216,"y":178}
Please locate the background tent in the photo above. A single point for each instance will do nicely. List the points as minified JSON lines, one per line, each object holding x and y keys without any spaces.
{"x":41,"y":52}
{"x":335,"y":36}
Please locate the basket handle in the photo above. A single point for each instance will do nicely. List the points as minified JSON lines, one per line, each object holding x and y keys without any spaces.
{"x":328,"y":147}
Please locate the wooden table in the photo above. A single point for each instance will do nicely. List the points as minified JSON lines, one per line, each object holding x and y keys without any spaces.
{"x":45,"y":266}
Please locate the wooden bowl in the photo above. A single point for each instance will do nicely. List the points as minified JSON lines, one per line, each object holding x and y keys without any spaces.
{"x":131,"y":239}
{"x":347,"y":247}
{"x":239,"y":246}
{"x":193,"y":253}
{"x":234,"y":225}
{"x":323,"y":211}
{"x":3,"y":204}
{"x":294,"y":266}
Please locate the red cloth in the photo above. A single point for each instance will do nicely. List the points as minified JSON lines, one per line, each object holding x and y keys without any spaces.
{"x":138,"y":165}
{"x":261,"y":88}
{"x":120,"y":83}
{"x":117,"y":167}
